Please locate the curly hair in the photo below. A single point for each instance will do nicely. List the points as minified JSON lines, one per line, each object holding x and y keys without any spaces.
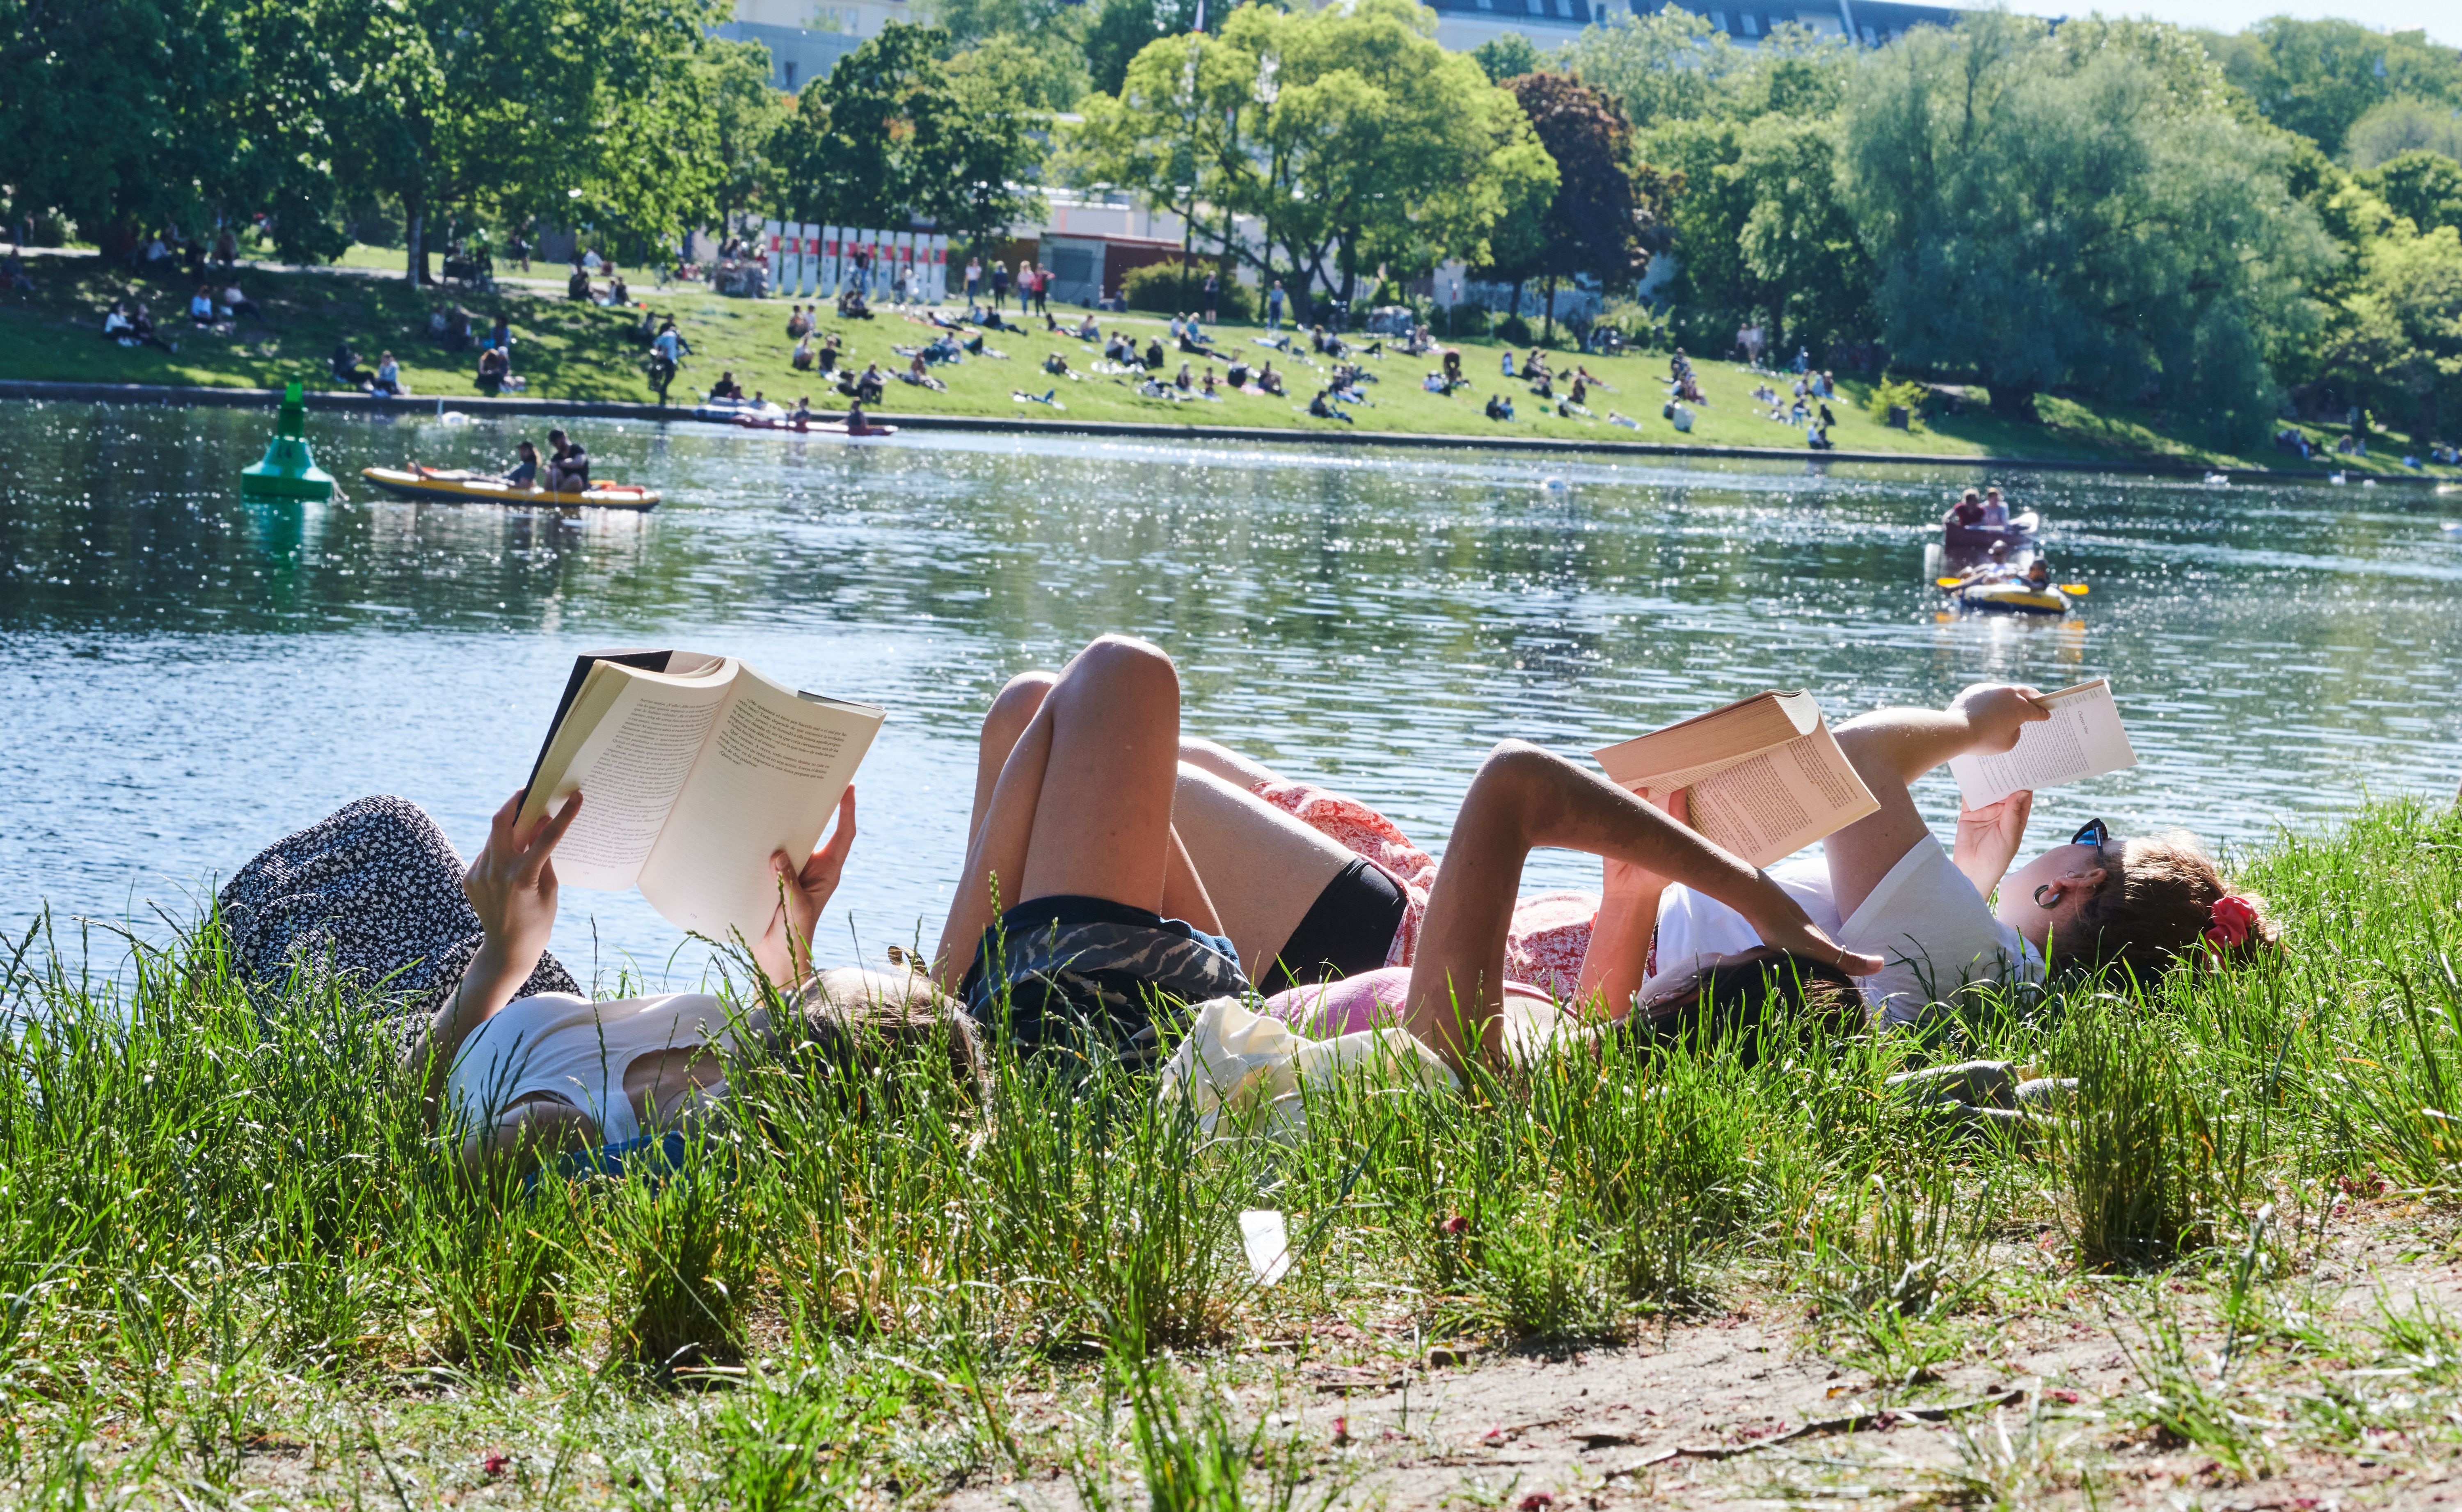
{"x":2154,"y":909}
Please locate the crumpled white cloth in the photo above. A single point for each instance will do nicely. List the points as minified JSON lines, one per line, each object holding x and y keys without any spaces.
{"x":1233,"y":1062}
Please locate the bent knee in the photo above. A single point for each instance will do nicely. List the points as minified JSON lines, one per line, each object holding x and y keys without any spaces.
{"x":1129,"y":664}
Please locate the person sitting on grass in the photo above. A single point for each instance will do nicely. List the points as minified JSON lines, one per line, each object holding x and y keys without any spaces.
{"x":1816,"y":438}
{"x":1088,"y":330}
{"x":1121,"y":349}
{"x":388,"y":378}
{"x":868,"y":386}
{"x":851,"y":305}
{"x":1185,"y":382}
{"x":493,"y":369}
{"x":919,"y":374}
{"x":346,"y":367}
{"x":1237,"y":375}
{"x":799,"y":325}
{"x":1322,"y":407}
{"x":201,"y":307}
{"x":1154,"y":355}
{"x":804,"y":357}
{"x":1498,"y":407}
{"x":1207,"y":384}
{"x":577,"y":287}
{"x":1452,"y":370}
{"x":726,"y":390}
{"x":1056,"y":365}
{"x":1269,"y":382}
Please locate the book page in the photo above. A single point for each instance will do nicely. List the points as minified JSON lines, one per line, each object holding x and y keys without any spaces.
{"x":775,"y":765}
{"x":2084,"y":738}
{"x":1689,"y":751}
{"x":644,"y":730}
{"x":1776,"y":803}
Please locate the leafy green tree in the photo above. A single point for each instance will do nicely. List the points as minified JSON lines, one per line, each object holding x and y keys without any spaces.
{"x":2425,"y":187}
{"x":2319,"y":78}
{"x":1117,"y":30}
{"x":1596,"y":221}
{"x":1348,"y":133}
{"x":2043,"y":213}
{"x":895,"y":134}
{"x":1670,"y":66}
{"x":589,"y":112}
{"x":2402,"y":125}
{"x":2400,"y":346}
{"x":746,"y":118}
{"x":1508,"y":57}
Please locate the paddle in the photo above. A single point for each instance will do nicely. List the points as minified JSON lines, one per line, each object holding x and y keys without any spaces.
{"x":2078,"y":589}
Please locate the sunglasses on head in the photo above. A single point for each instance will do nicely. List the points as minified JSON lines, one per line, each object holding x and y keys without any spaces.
{"x":2094,"y":832}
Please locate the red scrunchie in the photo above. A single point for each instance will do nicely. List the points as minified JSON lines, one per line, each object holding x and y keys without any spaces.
{"x":2235,"y":917}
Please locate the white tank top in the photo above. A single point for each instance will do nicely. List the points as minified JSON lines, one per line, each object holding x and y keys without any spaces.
{"x":579,"y":1050}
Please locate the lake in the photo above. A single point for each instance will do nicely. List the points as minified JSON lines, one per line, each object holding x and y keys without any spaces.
{"x":188,"y":677}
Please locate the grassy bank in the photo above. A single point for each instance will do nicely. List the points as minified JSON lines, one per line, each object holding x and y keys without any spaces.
{"x":232,"y":1266}
{"x":572,"y":351}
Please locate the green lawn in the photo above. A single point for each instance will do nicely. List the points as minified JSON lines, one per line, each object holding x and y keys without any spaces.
{"x":572,"y":351}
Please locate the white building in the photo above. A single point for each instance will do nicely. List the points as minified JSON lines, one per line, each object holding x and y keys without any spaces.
{"x":806,"y":37}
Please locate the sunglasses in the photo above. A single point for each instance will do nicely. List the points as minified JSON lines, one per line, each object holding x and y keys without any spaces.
{"x":2094,"y":832}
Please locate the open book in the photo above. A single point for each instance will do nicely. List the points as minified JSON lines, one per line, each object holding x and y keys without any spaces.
{"x":2082,"y":739}
{"x":1767,"y":776}
{"x":693,"y":769}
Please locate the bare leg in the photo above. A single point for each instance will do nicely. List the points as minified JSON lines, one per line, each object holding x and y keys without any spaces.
{"x":1262,"y":868}
{"x":1222,"y":761}
{"x":1081,"y":804}
{"x":1003,"y":722}
{"x":1524,"y":798}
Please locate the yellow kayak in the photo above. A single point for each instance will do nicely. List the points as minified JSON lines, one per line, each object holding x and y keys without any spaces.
{"x":453,"y":486}
{"x":2013,"y":598}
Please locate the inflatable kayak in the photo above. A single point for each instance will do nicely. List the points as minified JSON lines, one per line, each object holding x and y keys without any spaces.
{"x":2013,"y":598}
{"x":2020,"y":530}
{"x":727,"y":410}
{"x":457,"y":486}
{"x":810,"y":427}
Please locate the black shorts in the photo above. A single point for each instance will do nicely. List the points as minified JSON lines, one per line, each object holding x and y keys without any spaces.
{"x":1080,"y":976}
{"x":1347,"y":930}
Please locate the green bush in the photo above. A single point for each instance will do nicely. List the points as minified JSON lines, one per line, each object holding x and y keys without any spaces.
{"x":1514,"y":331}
{"x":1159,"y":287}
{"x":1901,"y":394}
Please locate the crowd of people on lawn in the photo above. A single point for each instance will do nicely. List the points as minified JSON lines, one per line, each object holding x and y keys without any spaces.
{"x":1130,"y":891}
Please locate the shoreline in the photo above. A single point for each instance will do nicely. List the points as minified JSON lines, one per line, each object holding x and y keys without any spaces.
{"x":209,"y":396}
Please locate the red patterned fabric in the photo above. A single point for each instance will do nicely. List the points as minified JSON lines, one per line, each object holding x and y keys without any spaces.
{"x":1551,"y":932}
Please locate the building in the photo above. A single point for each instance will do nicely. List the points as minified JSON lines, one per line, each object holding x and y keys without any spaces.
{"x":1548,"y":24}
{"x":806,"y":38}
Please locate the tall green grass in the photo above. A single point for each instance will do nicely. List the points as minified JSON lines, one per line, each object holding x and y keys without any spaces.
{"x":224,"y":1231}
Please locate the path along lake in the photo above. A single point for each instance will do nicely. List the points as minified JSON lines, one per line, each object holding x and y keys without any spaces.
{"x":185,"y":677}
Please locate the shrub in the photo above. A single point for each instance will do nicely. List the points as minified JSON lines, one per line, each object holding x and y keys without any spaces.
{"x":1514,"y":330}
{"x":1160,"y":288}
{"x":1893,"y":393}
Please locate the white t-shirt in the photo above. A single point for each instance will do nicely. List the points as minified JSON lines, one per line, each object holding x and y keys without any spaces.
{"x":1924,"y":918}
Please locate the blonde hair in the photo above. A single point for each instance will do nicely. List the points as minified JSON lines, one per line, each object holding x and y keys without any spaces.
{"x":2154,"y":909}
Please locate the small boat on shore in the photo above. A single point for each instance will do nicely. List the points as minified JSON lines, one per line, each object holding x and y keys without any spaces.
{"x":455,"y":486}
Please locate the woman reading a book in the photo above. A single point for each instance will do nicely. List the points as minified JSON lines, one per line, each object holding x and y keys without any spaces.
{"x":1085,"y":815}
{"x":505,"y":1047}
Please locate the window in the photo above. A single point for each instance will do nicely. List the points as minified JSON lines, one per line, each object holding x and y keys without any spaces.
{"x":1564,"y":9}
{"x":1752,"y":24}
{"x":1719,"y":19}
{"x":788,"y":68}
{"x":1869,"y":40}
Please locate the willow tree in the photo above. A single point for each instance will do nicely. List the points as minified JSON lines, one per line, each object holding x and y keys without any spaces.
{"x":2048,"y":211}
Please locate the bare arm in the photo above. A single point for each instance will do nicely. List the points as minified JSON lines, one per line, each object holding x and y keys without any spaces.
{"x":1889,"y":749}
{"x":1617,"y":961}
{"x":511,"y":885}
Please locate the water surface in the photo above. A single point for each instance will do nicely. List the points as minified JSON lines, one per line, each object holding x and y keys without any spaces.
{"x":189,"y":675}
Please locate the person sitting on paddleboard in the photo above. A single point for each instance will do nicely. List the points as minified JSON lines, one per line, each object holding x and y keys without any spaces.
{"x":567,"y":468}
{"x":526,"y":467}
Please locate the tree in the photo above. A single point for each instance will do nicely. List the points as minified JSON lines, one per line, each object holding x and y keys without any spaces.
{"x":1670,"y":66}
{"x":1595,"y":221}
{"x":895,"y":134}
{"x":2403,"y":125}
{"x":1508,"y":57}
{"x":1119,"y":30}
{"x":2319,"y":78}
{"x":2424,"y":186}
{"x":746,"y":118}
{"x":1350,"y":136}
{"x":2400,"y":344}
{"x":2048,"y":212}
{"x":599,"y":116}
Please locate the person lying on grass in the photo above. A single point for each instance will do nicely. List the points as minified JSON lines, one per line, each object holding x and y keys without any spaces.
{"x":504,"y":1050}
{"x":1109,"y":888}
{"x":1883,"y":885}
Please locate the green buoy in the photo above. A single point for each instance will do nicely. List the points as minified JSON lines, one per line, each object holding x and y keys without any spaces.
{"x":288,"y":471}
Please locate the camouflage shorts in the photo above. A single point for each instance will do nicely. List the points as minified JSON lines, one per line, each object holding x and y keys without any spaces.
{"x":1082,"y":977}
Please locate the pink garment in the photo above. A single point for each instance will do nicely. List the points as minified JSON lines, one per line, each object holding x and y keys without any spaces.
{"x":1549,"y":934}
{"x":1357,"y":1003}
